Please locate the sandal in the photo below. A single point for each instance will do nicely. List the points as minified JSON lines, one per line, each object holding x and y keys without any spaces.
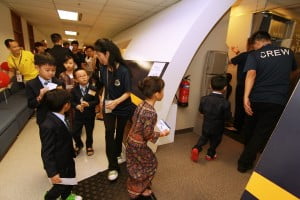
{"x":90,"y":151}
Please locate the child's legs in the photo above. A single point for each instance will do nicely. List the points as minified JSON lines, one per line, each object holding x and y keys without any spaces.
{"x":77,"y":130}
{"x":201,"y":141}
{"x":214,"y":141}
{"x":121,"y":123}
{"x":58,"y":190}
{"x":89,"y":128}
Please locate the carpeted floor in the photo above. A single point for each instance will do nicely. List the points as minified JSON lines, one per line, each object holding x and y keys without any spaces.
{"x":177,"y":177}
{"x":98,"y":187}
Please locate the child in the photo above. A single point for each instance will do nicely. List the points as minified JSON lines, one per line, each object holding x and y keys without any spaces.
{"x":57,"y":145}
{"x":37,"y":87}
{"x":84,"y":100}
{"x":141,"y":161}
{"x":216,"y":110}
{"x":67,"y":76}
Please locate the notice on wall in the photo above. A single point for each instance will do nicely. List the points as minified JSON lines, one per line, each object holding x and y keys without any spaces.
{"x":157,"y":69}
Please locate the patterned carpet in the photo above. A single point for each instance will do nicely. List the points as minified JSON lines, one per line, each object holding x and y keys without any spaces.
{"x":97,"y":187}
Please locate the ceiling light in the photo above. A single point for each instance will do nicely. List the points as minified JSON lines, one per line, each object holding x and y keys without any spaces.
{"x":68,"y":15}
{"x":71,"y":39}
{"x":71,"y":33}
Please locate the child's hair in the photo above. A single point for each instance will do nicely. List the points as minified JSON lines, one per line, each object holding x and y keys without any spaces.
{"x":228,"y":77}
{"x":150,"y":85}
{"x":56,"y":99}
{"x":67,"y":58}
{"x":43,"y":59}
{"x":218,"y":82}
{"x":78,"y":69}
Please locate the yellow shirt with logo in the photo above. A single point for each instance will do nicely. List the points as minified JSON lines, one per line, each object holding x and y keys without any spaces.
{"x":24,"y":64}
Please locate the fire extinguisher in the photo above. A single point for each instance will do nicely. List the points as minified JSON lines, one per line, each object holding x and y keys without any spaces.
{"x":184,"y":90}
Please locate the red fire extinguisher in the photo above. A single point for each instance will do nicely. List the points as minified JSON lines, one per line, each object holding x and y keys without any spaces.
{"x":184,"y":90}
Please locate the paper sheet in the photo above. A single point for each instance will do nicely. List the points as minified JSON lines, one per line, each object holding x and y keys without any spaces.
{"x":156,"y":69}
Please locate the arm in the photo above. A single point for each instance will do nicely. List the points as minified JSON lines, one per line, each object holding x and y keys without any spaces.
{"x":249,"y":82}
{"x":114,"y":103}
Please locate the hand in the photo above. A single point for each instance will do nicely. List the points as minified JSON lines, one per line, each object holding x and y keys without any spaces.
{"x":84,"y":104}
{"x":164,"y":133}
{"x":80,"y":108}
{"x":55,"y":179}
{"x":247,"y":106}
{"x":235,"y":49}
{"x":112,"y":104}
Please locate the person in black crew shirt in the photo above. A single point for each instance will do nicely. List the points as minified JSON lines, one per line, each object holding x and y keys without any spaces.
{"x":116,"y":78}
{"x":266,"y":93}
{"x":59,"y":53}
{"x":240,"y":61}
{"x":78,"y":55}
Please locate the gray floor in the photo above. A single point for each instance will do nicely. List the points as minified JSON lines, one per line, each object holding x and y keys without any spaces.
{"x":177,"y":178}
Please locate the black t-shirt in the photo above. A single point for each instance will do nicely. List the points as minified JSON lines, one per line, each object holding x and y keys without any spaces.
{"x":115,"y":86}
{"x":240,"y":61}
{"x":273,"y":66}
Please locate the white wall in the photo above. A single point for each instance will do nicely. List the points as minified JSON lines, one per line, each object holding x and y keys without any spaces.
{"x":173,"y":35}
{"x":6,"y":30}
{"x":186,"y":117}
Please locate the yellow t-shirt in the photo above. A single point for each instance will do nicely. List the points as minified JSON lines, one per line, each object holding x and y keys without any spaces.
{"x":24,"y":63}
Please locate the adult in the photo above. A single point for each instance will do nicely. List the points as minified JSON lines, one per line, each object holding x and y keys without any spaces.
{"x":116,"y":78}
{"x":90,"y":60}
{"x":77,"y":54}
{"x":240,"y":61}
{"x":39,"y":47}
{"x":59,"y":53}
{"x":266,"y":93}
{"x":20,"y":62}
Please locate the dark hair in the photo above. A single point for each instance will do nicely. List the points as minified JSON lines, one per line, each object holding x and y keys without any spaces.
{"x":43,"y":59}
{"x":7,"y":41}
{"x":56,"y":99}
{"x":78,"y":69}
{"x":74,"y":42}
{"x":228,"y":77}
{"x":218,"y":82}
{"x":89,"y":47}
{"x":260,"y":35}
{"x":66,"y":58}
{"x":104,"y":45}
{"x":55,"y":37}
{"x":66,"y":43}
{"x":150,"y":85}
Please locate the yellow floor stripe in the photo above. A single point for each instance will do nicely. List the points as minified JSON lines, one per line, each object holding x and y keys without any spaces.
{"x":264,"y":189}
{"x":136,"y":100}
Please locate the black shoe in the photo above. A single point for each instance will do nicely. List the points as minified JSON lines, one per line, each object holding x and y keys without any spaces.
{"x":244,"y":169}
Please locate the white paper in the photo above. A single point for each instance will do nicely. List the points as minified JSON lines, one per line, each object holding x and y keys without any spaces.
{"x":156,"y":69}
{"x":51,"y":86}
{"x":162,"y":125}
{"x":68,"y":181}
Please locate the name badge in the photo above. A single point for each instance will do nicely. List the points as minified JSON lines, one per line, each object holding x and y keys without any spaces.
{"x":92,"y":92}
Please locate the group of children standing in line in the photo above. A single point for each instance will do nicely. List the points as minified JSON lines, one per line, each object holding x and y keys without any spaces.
{"x":66,"y":103}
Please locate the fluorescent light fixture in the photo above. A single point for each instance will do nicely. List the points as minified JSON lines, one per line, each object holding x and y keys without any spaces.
{"x":68,"y":15}
{"x":71,"y":33}
{"x":70,"y":39}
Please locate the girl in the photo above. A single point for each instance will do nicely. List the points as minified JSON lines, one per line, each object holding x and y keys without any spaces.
{"x":117,"y":105}
{"x":141,"y":161}
{"x":67,"y":76}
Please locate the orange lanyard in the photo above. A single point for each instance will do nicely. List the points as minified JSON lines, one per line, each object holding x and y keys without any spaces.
{"x":17,"y":66}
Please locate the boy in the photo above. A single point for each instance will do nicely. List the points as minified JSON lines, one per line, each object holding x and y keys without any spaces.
{"x":84,"y":98}
{"x":37,"y":87}
{"x":57,"y":145}
{"x":216,"y":110}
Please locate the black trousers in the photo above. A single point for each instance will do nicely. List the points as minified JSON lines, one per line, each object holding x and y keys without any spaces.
{"x":214,"y":141}
{"x":89,"y":123}
{"x":58,"y":190}
{"x":257,"y":130}
{"x":239,"y":113}
{"x":114,"y":130}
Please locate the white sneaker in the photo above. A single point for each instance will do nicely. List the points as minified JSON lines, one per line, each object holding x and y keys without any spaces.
{"x":121,"y":160}
{"x":112,"y":175}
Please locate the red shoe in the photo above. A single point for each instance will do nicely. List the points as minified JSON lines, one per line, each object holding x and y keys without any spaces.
{"x":195,"y":154}
{"x":208,"y":158}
